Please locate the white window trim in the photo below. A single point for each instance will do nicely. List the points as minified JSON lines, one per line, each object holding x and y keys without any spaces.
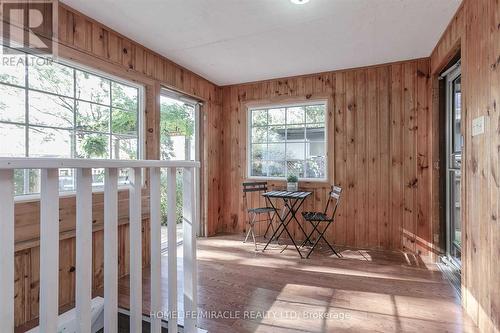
{"x":141,"y":146}
{"x":252,"y":107}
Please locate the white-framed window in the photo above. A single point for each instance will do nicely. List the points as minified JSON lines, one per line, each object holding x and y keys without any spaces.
{"x":60,"y":109}
{"x":288,"y":140}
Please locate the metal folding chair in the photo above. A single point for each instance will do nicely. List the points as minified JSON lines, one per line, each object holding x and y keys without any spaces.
{"x":317,"y":218}
{"x":254,"y":212}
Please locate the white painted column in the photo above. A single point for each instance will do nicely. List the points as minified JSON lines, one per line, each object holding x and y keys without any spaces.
{"x":172,"y":249}
{"x":83,"y":249}
{"x":135,"y":228}
{"x":111,"y":251}
{"x":190,"y":227}
{"x":49,"y":250}
{"x":7,"y":251}
{"x":155,"y":229}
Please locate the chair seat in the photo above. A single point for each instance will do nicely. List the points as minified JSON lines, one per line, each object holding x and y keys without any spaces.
{"x":316,"y":216}
{"x":261,"y":210}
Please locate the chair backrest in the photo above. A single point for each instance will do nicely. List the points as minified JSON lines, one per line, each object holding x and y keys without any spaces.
{"x":252,"y":187}
{"x":335,"y":194}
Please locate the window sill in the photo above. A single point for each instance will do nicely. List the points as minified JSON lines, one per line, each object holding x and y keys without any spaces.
{"x":301,"y":180}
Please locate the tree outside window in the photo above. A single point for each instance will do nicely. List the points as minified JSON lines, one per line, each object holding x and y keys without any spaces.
{"x":50,"y":109}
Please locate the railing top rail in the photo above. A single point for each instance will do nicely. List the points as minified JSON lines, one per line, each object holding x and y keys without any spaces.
{"x":55,"y":163}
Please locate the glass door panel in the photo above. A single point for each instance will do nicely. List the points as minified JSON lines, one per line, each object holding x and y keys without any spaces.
{"x":454,"y":143}
{"x":178,"y":141}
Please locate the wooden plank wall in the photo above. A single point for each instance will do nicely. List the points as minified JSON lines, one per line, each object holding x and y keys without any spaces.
{"x":475,"y":33}
{"x":379,"y":144}
{"x":87,"y":42}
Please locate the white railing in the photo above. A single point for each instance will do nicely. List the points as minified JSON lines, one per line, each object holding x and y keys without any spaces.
{"x":49,"y":242}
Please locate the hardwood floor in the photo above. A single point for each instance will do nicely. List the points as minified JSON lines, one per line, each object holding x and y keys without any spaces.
{"x":365,"y":291}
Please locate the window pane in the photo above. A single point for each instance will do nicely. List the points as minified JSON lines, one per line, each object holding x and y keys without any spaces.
{"x":177,"y":130}
{"x":315,"y":167}
{"x":12,"y":104}
{"x":315,"y":132}
{"x":123,"y":176}
{"x":26,"y":181}
{"x":315,"y":114}
{"x":276,"y":116}
{"x":258,"y":152}
{"x":12,"y":140}
{"x":295,"y":151}
{"x":276,"y":133}
{"x":124,"y":148}
{"x":124,"y":97}
{"x":50,"y":110}
{"x":92,"y":145}
{"x":276,"y":152}
{"x":92,"y":117}
{"x":67,"y":180}
{"x":124,"y":122}
{"x":259,"y":134}
{"x":295,"y":115}
{"x":258,"y":169}
{"x":92,"y":88}
{"x":259,"y":117}
{"x":315,"y":149}
{"x":98,"y":177}
{"x":48,"y":142}
{"x":295,"y":133}
{"x":295,"y":168}
{"x":276,"y":169}
{"x":51,"y":77}
{"x":12,"y":68}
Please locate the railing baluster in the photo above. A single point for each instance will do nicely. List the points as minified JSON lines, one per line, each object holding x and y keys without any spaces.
{"x":6,"y":251}
{"x":172,"y":249}
{"x":83,"y":249}
{"x":155,"y":227}
{"x":190,"y":226}
{"x":49,"y":250}
{"x":49,"y":242}
{"x":135,"y":250}
{"x":111,"y":251}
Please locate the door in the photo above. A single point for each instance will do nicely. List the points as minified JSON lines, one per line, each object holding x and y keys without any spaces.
{"x":454,"y":148}
{"x":179,"y":138}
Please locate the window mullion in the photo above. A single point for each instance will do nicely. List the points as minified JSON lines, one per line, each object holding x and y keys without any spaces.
{"x":26,"y":105}
{"x":267,"y":143}
{"x":304,"y":164}
{"x":26,"y":175}
{"x":73,"y":146}
{"x":286,"y":143}
{"x":110,"y":131}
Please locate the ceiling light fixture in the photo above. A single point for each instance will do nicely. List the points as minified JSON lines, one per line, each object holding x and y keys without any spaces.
{"x":299,"y":2}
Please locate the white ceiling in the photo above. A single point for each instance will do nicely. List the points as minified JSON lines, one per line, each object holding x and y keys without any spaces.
{"x":235,"y":41}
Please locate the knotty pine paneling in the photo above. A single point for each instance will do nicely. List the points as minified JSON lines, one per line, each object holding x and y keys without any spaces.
{"x":27,"y":272}
{"x":378,"y":123}
{"x":88,"y":42}
{"x":474,"y":32}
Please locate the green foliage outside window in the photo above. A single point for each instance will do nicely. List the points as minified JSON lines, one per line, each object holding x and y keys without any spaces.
{"x":175,"y":120}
